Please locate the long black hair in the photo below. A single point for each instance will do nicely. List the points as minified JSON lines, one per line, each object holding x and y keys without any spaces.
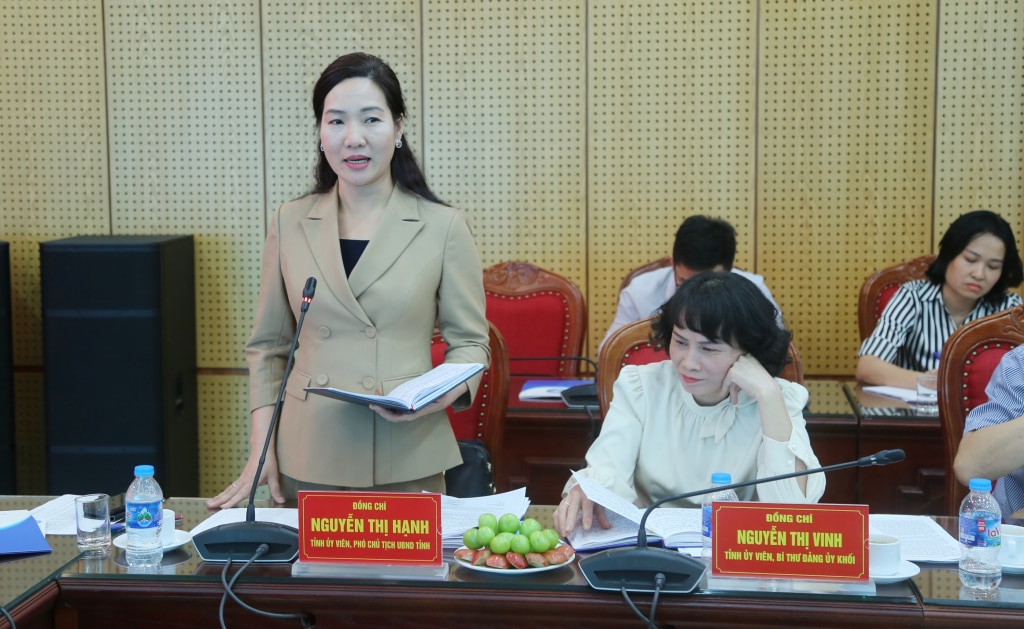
{"x":405,"y":171}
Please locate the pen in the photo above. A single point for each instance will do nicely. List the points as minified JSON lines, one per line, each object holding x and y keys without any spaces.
{"x":937,"y":355}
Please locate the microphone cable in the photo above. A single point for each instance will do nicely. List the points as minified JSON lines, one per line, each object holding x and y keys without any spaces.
{"x":6,"y":615}
{"x":308,"y":620}
{"x":659,"y":582}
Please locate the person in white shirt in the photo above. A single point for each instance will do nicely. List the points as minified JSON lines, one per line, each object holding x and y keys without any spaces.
{"x":716,"y":405}
{"x":702,"y":244}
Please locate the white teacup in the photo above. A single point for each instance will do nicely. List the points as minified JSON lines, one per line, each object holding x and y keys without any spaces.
{"x":167,"y":528}
{"x":884,"y":554}
{"x":1011,"y":544}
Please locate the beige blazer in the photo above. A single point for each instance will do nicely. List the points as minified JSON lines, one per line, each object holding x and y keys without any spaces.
{"x":368,"y":332}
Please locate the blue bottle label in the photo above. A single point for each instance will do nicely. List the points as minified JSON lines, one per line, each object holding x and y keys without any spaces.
{"x":705,"y":527}
{"x":981,"y":532}
{"x":144,"y":515}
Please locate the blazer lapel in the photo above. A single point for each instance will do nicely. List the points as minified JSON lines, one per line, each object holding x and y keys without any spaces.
{"x":321,"y":228}
{"x":399,"y":225}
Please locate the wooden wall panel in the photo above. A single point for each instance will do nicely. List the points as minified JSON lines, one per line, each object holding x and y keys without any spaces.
{"x":671,"y":133}
{"x":844,"y":159}
{"x":980,"y":110}
{"x":54,"y":174}
{"x":505,"y":126}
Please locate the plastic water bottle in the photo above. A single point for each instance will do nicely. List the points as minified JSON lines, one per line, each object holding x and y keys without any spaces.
{"x":717,"y":480}
{"x":144,"y":513}
{"x":980,"y":519}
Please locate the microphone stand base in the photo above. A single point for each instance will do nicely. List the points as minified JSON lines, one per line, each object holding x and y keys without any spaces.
{"x":635,"y":569}
{"x":238,"y":541}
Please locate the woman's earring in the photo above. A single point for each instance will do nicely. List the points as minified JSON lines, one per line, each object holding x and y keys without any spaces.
{"x":321,"y":147}
{"x":398,"y":143}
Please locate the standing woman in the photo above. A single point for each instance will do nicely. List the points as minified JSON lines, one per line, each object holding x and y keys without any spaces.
{"x":391,"y":260}
{"x":977,"y":263}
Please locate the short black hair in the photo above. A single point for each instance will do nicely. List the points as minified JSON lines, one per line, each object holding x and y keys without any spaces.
{"x":702,"y":243}
{"x":726,"y":308}
{"x":961,"y":232}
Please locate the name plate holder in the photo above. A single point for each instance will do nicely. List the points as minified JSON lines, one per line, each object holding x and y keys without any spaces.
{"x":370,"y":534}
{"x":770,"y":547}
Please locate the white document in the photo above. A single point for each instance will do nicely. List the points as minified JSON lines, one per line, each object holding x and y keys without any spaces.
{"x":676,"y":527}
{"x":289,"y":517}
{"x":907,"y":395}
{"x":57,"y":517}
{"x":921,"y":538}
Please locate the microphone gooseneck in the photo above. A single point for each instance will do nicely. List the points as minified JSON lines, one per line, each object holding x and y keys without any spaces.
{"x":634,"y":568}
{"x":239,"y":540}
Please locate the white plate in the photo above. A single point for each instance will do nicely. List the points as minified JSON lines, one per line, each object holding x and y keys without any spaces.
{"x":513,"y":571}
{"x":1012,"y":568}
{"x":905,"y":570}
{"x":180,"y":539}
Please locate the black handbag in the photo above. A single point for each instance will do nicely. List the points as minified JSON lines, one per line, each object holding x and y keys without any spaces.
{"x":475,"y":477}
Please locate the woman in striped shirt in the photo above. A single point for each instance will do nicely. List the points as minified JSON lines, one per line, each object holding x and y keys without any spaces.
{"x":977,"y":262}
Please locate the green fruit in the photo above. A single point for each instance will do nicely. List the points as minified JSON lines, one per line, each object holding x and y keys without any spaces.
{"x":508,"y":523}
{"x":489,"y":520}
{"x":539,"y":542}
{"x":484,"y":535}
{"x":501,"y":543}
{"x":470,"y":539}
{"x":521,"y":544}
{"x":529,"y":525}
{"x":553,"y":538}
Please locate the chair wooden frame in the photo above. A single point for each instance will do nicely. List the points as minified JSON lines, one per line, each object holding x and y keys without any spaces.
{"x":869,"y":306}
{"x":490,"y":403}
{"x":654,"y":265}
{"x":518,"y":280}
{"x":958,"y":367}
{"x":634,"y":337}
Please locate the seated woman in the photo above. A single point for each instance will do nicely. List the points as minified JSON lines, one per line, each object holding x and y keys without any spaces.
{"x":977,"y":263}
{"x":715,"y":406}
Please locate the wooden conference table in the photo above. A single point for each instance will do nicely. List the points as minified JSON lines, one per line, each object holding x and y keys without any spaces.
{"x":65,"y":591}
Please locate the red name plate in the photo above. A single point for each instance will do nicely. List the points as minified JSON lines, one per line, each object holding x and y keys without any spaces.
{"x":758,"y":539}
{"x":373,"y":528}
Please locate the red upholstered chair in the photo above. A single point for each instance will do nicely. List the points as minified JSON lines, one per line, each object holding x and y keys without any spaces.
{"x":969,"y":357}
{"x":542,"y":316}
{"x":631,"y":345}
{"x":660,"y":263}
{"x":484,"y":421}
{"x":878,"y":289}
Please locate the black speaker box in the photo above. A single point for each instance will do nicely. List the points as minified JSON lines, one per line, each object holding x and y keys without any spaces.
{"x":119,"y":362}
{"x":8,"y":467}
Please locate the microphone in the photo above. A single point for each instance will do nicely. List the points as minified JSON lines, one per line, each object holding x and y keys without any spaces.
{"x":635,"y":568}
{"x":241,"y":540}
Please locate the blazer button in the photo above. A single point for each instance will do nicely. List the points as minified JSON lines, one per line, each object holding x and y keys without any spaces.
{"x":321,"y":379}
{"x":371,"y":332}
{"x":324,"y":331}
{"x":368,"y":382}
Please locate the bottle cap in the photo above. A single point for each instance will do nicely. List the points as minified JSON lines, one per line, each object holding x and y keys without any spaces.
{"x":721,"y":478}
{"x":143,"y":470}
{"x":980,"y":484}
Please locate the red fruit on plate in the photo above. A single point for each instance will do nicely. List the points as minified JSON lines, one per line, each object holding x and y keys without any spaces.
{"x":537,"y":560}
{"x":498,"y":561}
{"x":516,"y":560}
{"x":465,"y":554}
{"x":480,"y":556}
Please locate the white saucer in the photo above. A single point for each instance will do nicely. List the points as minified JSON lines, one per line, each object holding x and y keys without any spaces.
{"x":905,"y":570}
{"x":180,"y":539}
{"x":1012,"y":568}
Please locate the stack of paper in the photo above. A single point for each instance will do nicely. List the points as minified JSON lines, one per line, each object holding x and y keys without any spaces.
{"x":899,"y":393}
{"x":921,"y":538}
{"x":458,"y":515}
